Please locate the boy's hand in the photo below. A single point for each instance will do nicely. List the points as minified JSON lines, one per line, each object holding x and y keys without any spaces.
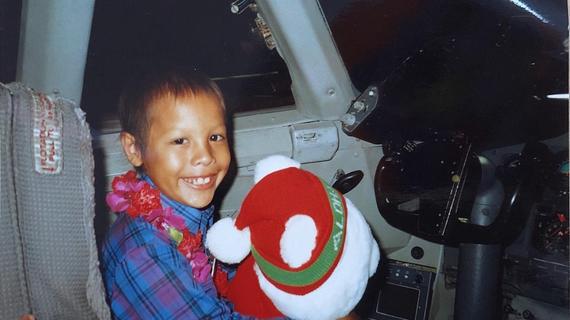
{"x":27,"y":317}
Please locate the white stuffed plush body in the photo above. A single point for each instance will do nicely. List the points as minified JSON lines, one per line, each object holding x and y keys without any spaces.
{"x":291,"y":241}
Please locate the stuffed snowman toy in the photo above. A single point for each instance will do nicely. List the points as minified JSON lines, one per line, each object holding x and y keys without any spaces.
{"x":306,"y":251}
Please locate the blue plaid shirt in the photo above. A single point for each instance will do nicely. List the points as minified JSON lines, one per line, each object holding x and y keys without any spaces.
{"x":146,"y":277}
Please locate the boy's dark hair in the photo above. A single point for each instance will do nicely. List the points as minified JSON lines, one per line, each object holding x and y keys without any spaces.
{"x":144,"y":89}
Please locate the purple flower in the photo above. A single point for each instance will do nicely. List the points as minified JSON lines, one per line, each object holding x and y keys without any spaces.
{"x":200,"y":266}
{"x":116,"y":202}
{"x":128,"y":186}
{"x":161,"y":217}
{"x":173,"y":220}
{"x":136,"y":186}
{"x":156,"y":219}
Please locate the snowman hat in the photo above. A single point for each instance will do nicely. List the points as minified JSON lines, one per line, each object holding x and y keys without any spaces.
{"x":292,"y":223}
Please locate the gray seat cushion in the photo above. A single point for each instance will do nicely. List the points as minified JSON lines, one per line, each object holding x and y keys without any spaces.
{"x":48,"y":264}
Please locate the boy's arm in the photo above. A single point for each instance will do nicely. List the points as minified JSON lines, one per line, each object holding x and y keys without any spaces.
{"x":151,"y":284}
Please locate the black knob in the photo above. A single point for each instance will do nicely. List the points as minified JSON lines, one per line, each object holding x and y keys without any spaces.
{"x":528,"y":315}
{"x":347,"y":181}
{"x":417,"y":253}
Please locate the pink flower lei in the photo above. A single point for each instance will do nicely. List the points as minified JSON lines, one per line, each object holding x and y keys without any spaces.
{"x":137,"y":198}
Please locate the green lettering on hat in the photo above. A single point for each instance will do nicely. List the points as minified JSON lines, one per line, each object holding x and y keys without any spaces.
{"x":331,"y":250}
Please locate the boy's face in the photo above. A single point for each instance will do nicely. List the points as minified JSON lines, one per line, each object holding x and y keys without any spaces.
{"x":187,"y":153}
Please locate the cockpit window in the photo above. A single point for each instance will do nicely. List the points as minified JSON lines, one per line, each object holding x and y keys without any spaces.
{"x":377,"y":37}
{"x":10,"y":12}
{"x":202,"y":35}
{"x":370,"y":33}
{"x":489,"y":69}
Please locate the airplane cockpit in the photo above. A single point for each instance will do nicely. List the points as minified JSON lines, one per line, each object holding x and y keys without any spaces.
{"x":445,"y":122}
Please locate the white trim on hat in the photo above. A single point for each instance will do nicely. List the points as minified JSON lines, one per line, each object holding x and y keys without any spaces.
{"x":271,"y":164}
{"x":228,"y":243}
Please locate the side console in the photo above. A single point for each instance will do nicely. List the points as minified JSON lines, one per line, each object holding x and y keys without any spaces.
{"x":401,"y":291}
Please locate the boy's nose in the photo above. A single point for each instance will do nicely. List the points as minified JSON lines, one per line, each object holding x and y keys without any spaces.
{"x":202,"y":155}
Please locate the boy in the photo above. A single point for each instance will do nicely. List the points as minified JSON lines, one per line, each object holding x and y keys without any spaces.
{"x":154,"y":263}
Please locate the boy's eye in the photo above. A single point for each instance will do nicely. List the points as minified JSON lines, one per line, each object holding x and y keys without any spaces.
{"x":216,"y":137}
{"x":179,"y":141}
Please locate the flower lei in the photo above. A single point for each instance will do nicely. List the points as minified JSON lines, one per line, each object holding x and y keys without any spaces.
{"x":137,"y":198}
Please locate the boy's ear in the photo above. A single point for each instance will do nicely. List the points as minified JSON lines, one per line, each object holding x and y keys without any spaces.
{"x":131,"y":149}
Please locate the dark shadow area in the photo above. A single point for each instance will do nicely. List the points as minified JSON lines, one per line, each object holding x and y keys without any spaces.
{"x":102,"y":218}
{"x":479,"y":67}
{"x":10,"y":13}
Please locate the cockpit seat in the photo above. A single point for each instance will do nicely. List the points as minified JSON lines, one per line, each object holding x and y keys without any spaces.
{"x":48,"y":252}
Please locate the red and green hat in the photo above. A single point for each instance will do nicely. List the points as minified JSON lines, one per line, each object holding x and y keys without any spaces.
{"x":268,"y":210}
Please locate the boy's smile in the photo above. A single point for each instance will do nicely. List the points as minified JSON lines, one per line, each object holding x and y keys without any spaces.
{"x":186,"y":152}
